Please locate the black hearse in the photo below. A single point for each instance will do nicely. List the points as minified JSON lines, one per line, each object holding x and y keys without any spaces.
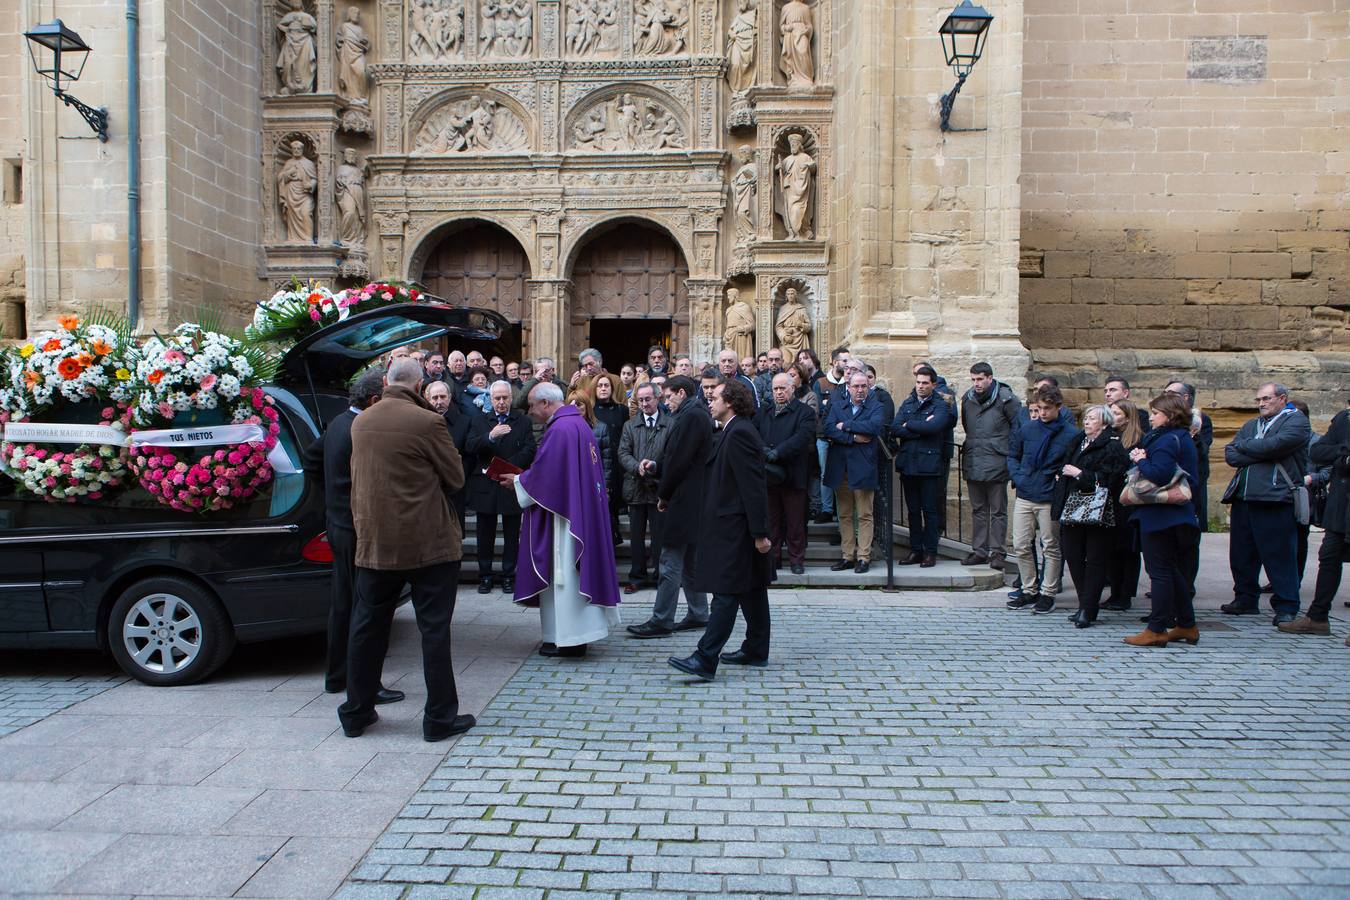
{"x":169,"y":593}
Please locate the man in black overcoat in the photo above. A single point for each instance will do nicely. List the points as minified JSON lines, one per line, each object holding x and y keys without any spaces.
{"x":733,"y":556}
{"x":437,"y":393}
{"x":788,"y":429}
{"x":508,"y":434}
{"x":679,"y":493}
{"x":329,"y":461}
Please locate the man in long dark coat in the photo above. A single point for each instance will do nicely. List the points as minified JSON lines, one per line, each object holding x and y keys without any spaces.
{"x":507,"y":434}
{"x":733,"y":557}
{"x":329,"y":461}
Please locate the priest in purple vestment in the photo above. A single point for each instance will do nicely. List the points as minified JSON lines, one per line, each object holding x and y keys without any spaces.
{"x":566,"y":565}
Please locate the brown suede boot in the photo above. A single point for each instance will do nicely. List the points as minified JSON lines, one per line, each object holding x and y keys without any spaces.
{"x":1189,"y":635}
{"x":1147,"y":638}
{"x":1305,"y":625}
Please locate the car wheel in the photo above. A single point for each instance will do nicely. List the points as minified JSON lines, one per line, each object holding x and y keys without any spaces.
{"x":169,"y":631}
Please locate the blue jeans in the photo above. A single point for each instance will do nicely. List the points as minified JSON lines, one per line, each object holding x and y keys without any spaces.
{"x":826,"y":494}
{"x":1264,"y":534}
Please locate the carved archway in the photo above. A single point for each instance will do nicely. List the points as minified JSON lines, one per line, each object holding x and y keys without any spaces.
{"x":632,"y":270}
{"x":476,"y":263}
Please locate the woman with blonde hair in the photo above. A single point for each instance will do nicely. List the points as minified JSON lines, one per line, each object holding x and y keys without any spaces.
{"x":1123,"y":565}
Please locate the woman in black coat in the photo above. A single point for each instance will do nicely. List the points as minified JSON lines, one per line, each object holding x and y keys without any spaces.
{"x":1098,"y":460}
{"x":610,"y":408}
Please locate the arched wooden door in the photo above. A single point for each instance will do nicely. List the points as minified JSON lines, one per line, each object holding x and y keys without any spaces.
{"x":483,"y":266}
{"x":632,"y":279}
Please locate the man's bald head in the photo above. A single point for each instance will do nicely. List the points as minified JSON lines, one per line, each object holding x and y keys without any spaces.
{"x":405,"y":371}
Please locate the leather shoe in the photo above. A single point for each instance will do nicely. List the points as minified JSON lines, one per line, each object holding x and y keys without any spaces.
{"x":929,"y":560}
{"x":692,"y":665}
{"x":630,"y":588}
{"x":1189,"y":635}
{"x":997,"y":563}
{"x":508,"y":585}
{"x":862,"y":566}
{"x":1281,"y":618}
{"x":1237,"y":609}
{"x":974,"y":559}
{"x":354,"y":729}
{"x":1147,"y":638}
{"x":1081,"y":619}
{"x":739,"y":658}
{"x":798,"y":569}
{"x":649,"y":629}
{"x":555,"y":650}
{"x":842,"y":565}
{"x":689,"y":623}
{"x":911,"y":560}
{"x":1116,"y":605}
{"x":485,"y":585}
{"x":385,"y":695}
{"x":459,"y":726}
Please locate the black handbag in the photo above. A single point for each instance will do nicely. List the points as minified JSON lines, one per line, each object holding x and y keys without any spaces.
{"x":1095,"y":508}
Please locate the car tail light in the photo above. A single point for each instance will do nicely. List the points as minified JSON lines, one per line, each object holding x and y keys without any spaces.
{"x":318,"y":550}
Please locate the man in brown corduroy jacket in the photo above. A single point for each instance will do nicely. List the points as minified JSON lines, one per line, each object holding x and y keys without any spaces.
{"x":403,"y":465}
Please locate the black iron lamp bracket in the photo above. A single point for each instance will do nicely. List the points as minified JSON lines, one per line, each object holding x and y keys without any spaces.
{"x":97,"y":118}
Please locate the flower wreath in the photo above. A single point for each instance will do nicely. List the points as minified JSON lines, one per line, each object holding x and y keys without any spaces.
{"x":302,"y":309}
{"x":201,"y":378}
{"x":47,"y":381}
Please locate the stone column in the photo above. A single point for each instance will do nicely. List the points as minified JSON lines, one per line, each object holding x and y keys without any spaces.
{"x":550,"y":28}
{"x":549,"y":310}
{"x":705,"y":317}
{"x":324,"y":46}
{"x":390,"y":31}
{"x":392,"y":229}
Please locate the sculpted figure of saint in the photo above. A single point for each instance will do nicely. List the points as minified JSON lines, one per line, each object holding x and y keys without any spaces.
{"x":794,"y":326}
{"x":741,"y":38}
{"x":744,"y":187}
{"x":739,"y":334}
{"x":296,"y":183}
{"x":296,"y":63}
{"x":351,"y":200}
{"x":796,"y":174}
{"x":795,"y":60}
{"x":352,"y":45}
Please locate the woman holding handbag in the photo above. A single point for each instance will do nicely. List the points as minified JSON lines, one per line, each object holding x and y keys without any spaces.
{"x":1085,"y":505}
{"x":1168,"y":527}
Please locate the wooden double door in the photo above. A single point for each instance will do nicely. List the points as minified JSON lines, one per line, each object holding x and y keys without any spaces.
{"x":629,"y":293}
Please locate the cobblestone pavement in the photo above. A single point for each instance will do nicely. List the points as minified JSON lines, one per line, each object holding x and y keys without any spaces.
{"x":26,"y":698}
{"x":899,"y":752}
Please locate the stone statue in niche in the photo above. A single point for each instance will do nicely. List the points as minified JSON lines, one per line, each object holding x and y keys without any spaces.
{"x":795,"y":60}
{"x":741,"y":38}
{"x":297,"y":60}
{"x":472,"y":126}
{"x":660,"y":27}
{"x":350,"y":194}
{"x":592,"y":27}
{"x":297,"y":181}
{"x":506,"y":28}
{"x":796,"y":180}
{"x":739,"y":334}
{"x":621,"y":125}
{"x":352,"y":45}
{"x":744,"y":188}
{"x":794,"y":326}
{"x":435,"y":28}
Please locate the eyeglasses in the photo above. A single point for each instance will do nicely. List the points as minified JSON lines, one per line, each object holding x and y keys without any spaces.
{"x":1265,"y":399}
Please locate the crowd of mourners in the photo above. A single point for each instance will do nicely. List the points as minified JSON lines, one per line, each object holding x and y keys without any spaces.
{"x":830,"y":434}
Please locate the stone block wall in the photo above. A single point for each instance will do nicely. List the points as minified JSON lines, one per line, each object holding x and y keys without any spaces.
{"x":13,"y":227}
{"x":1185,"y":169}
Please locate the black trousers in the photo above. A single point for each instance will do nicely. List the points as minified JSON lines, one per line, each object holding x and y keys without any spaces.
{"x":1087,"y":550}
{"x":343,"y":543}
{"x":754,"y":604}
{"x":641,"y":517}
{"x":487,"y":538}
{"x":1123,"y":563}
{"x":1330,"y":559}
{"x":1167,"y":558}
{"x":1264,"y":534}
{"x":924,"y":499}
{"x":433,"y":598}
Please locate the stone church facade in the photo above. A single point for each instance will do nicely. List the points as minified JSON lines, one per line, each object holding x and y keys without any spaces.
{"x":1153,"y":189}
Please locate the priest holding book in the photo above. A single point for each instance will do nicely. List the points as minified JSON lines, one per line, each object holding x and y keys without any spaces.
{"x":566,"y":551}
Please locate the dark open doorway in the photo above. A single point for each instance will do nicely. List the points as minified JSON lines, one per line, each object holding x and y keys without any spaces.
{"x":627,"y":340}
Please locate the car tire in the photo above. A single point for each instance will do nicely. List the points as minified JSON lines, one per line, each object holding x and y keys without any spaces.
{"x":169,"y":631}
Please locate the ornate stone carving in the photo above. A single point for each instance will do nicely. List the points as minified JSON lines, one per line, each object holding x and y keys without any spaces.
{"x":793,"y":326}
{"x":739,"y":333}
{"x":660,"y":27}
{"x":474,"y":125}
{"x":741,"y":39}
{"x":350,"y":194}
{"x":436,"y":29}
{"x":626,"y":122}
{"x":297,"y":60}
{"x":297,"y":181}
{"x":506,"y":28}
{"x":357,"y":119}
{"x":794,"y":59}
{"x":796,"y":183}
{"x":744,"y":190}
{"x":352,"y":45}
{"x":592,"y":28}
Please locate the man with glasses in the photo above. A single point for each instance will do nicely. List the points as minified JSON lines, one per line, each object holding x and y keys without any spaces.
{"x":1270,"y":454}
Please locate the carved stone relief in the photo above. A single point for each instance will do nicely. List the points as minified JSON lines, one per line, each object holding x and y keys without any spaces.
{"x":506,"y":28}
{"x":297,"y":181}
{"x":627,"y":122}
{"x":794,"y":201}
{"x":741,"y":39}
{"x":297,"y":58}
{"x":352,"y":45}
{"x":660,"y":27}
{"x":592,"y":28}
{"x":475,"y":125}
{"x":350,"y":195}
{"x":739,"y":333}
{"x":792,"y":325}
{"x":744,"y":188}
{"x":435,"y":30}
{"x":797,"y":30}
